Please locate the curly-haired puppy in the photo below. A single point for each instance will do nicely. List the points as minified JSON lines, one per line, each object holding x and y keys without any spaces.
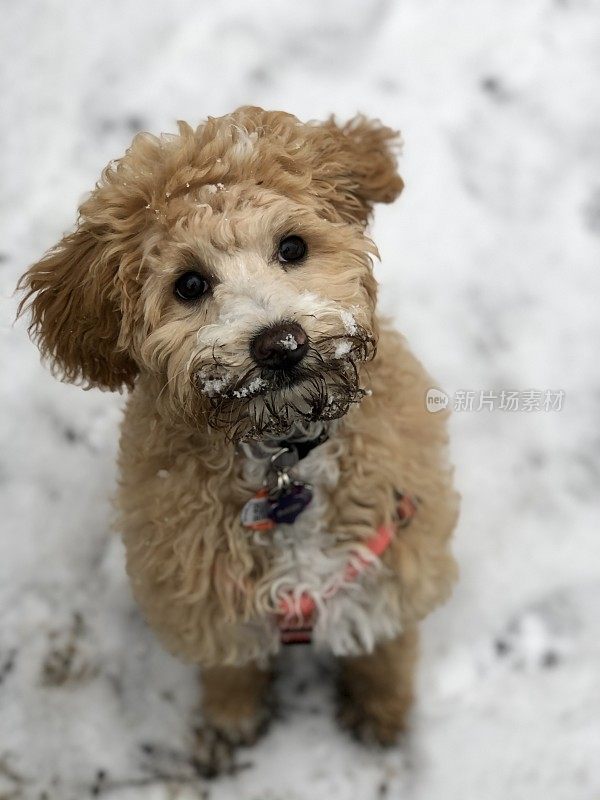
{"x":281,"y":478}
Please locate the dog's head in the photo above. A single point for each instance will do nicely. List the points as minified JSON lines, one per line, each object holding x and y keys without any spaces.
{"x":230,"y":265}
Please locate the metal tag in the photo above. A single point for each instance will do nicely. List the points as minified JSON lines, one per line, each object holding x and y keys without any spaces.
{"x":256,"y":513}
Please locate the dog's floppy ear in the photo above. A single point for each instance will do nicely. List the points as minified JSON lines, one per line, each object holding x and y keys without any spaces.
{"x":77,"y":296}
{"x":356,"y":166}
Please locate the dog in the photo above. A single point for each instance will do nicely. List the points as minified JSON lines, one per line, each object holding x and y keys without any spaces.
{"x":281,"y":480}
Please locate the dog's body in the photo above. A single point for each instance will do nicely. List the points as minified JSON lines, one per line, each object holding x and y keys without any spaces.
{"x":225,"y":277}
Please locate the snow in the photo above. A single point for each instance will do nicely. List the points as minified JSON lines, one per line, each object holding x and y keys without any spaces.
{"x":251,"y":388}
{"x":288,"y":342}
{"x":342,"y":348}
{"x":212,"y":386}
{"x":489,"y":267}
{"x":349,"y":321}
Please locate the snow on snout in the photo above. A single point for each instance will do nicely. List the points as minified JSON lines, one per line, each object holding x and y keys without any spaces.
{"x":342,"y":348}
{"x":289,"y":342}
{"x":349,"y":321}
{"x":252,"y":388}
{"x":213,"y":386}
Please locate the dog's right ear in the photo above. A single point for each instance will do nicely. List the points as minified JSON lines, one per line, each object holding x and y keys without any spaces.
{"x":75,"y":297}
{"x":83,"y":295}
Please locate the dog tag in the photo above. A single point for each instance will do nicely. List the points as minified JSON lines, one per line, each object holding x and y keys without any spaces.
{"x":289,"y":505}
{"x":256,"y":513}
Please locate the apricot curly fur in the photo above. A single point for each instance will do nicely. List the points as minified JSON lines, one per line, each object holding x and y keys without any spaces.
{"x":217,"y":199}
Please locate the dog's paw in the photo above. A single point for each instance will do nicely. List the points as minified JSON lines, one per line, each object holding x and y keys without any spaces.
{"x":243,"y":731}
{"x":370,"y":728}
{"x":214,"y":754}
{"x":218,"y":740}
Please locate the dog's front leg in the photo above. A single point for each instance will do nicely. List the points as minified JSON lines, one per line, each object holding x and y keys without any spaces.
{"x":376,"y":690}
{"x":235,"y":712}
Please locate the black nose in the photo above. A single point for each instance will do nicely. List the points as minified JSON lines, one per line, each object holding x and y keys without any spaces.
{"x":279,"y":346}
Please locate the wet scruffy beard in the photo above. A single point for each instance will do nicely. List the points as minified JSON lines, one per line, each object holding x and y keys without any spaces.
{"x":266,"y":403}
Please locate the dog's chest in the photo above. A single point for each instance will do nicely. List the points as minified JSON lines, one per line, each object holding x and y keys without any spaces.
{"x":308,"y":558}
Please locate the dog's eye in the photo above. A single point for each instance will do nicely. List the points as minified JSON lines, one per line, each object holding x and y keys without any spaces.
{"x":292,"y":248}
{"x":190,"y":286}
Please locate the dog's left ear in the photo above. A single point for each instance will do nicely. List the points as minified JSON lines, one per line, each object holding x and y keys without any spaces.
{"x":356,"y":166}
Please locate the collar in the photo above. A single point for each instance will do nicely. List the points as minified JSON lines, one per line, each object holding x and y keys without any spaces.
{"x":299,"y":442}
{"x":304,"y":447}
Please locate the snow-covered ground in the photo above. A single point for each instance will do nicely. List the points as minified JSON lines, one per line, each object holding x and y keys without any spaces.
{"x":490,"y":267}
